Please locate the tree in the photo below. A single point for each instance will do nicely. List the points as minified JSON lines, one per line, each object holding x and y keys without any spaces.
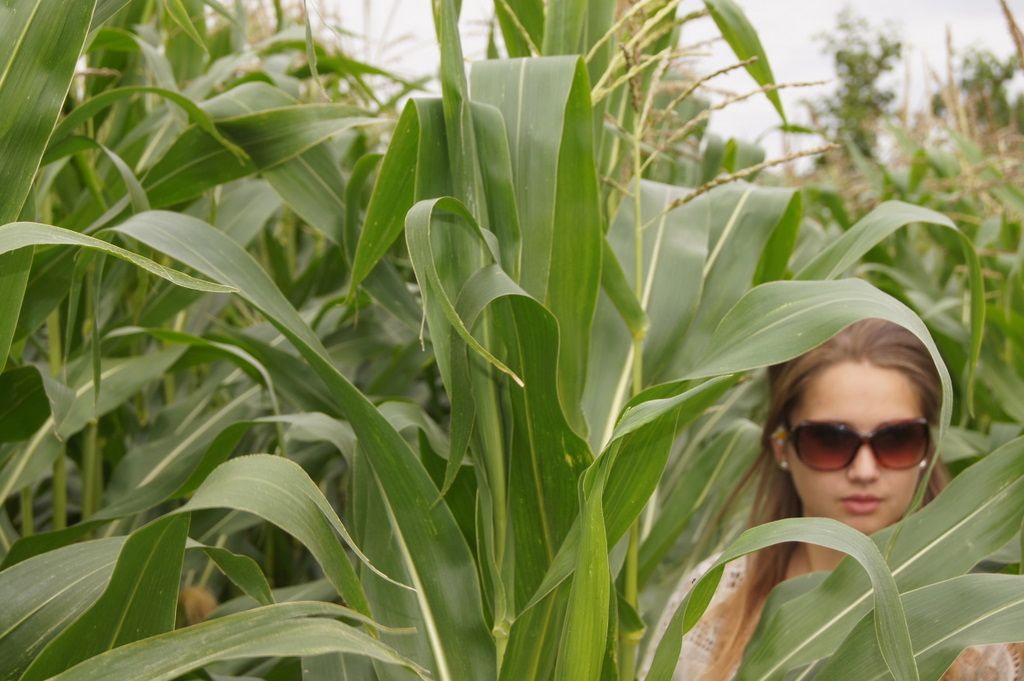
{"x":983,"y":79}
{"x":863,"y":55}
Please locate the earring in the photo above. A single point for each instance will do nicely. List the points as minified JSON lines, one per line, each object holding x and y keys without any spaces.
{"x":783,"y":465}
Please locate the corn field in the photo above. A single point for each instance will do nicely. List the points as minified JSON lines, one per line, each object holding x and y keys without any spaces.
{"x":310,"y":374}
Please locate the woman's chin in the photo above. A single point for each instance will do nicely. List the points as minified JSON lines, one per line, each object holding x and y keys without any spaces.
{"x":868,"y":524}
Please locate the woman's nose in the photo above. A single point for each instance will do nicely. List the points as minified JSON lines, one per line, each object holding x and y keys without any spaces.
{"x":864,"y":466}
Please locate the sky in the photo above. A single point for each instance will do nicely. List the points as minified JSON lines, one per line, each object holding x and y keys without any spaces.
{"x":398,"y":34}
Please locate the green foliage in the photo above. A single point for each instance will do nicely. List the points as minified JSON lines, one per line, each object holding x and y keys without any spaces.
{"x":149,"y":563}
{"x":862,"y":55}
{"x":472,"y":368}
{"x":983,"y":79}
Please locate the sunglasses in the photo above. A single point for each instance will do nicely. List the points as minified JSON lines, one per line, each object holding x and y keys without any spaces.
{"x":827,"y":446}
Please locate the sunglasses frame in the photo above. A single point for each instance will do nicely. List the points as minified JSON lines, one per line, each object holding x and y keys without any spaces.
{"x":792,"y":435}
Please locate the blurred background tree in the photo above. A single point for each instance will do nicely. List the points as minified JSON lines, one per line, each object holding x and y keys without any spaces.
{"x":863,"y":55}
{"x":983,"y":78}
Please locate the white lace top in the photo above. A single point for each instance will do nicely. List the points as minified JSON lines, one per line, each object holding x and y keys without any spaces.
{"x":699,"y":643}
{"x":998,"y":662}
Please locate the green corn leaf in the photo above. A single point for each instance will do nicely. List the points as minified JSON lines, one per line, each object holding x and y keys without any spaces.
{"x":427,"y":531}
{"x":791,"y":317}
{"x":18,"y":235}
{"x":44,"y":594}
{"x":26,"y":408}
{"x":355,"y":191}
{"x":495,"y":160}
{"x":75,"y":144}
{"x":622,"y":296}
{"x":563,"y":26}
{"x":106,"y":9}
{"x":197,"y":162}
{"x":522,"y":25}
{"x":312,"y":185}
{"x":742,"y":219}
{"x":149,"y":563}
{"x":289,"y":499}
{"x":585,"y":627}
{"x":383,"y":282}
{"x":243,"y":571}
{"x":544,"y":519}
{"x":883,"y":221}
{"x":419,"y":222}
{"x":122,"y":379}
{"x":740,"y":155}
{"x":944,"y":618}
{"x":556,"y":188}
{"x":393,"y":194}
{"x":79,"y":575}
{"x":311,"y":57}
{"x":678,"y":237}
{"x":179,"y":14}
{"x":161,"y":469}
{"x":275,"y":135}
{"x":458,"y":124}
{"x":287,"y":629}
{"x":88,"y":109}
{"x":687,"y":285}
{"x":233,"y":353}
{"x":40,"y":43}
{"x":742,"y":38}
{"x":529,"y":331}
{"x":14,"y":274}
{"x":705,"y":484}
{"x":891,"y":632}
{"x":637,"y":462}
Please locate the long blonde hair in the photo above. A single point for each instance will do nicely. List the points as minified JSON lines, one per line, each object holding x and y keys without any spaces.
{"x":876,"y":341}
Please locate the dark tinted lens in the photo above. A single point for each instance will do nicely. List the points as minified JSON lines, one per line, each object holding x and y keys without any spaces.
{"x":825,"y":446}
{"x":901,"y":445}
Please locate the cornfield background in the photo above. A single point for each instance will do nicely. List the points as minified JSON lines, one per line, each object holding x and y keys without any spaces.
{"x":308,"y":379}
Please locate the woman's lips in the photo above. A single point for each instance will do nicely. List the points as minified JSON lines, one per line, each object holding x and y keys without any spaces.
{"x":860,"y":504}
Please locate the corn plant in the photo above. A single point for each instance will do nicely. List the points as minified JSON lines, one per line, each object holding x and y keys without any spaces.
{"x":451,"y":392}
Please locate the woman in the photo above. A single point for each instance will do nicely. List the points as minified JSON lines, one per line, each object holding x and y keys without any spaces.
{"x":847,"y":437}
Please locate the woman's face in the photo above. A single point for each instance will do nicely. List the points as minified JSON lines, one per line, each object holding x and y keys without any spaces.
{"x":864,"y":397}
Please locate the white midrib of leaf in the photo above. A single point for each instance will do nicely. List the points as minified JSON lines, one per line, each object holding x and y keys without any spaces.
{"x":196,"y":434}
{"x":54,"y":596}
{"x":444,"y":674}
{"x":153,"y":146}
{"x":910,"y":561}
{"x":18,"y":44}
{"x":46,"y":429}
{"x":538,"y":487}
{"x":620,"y":388}
{"x":216,"y":528}
{"x":123,"y":615}
{"x":950,"y":635}
{"x":327,"y":190}
{"x":719,"y":467}
{"x":518,"y":151}
{"x":726,"y":233}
